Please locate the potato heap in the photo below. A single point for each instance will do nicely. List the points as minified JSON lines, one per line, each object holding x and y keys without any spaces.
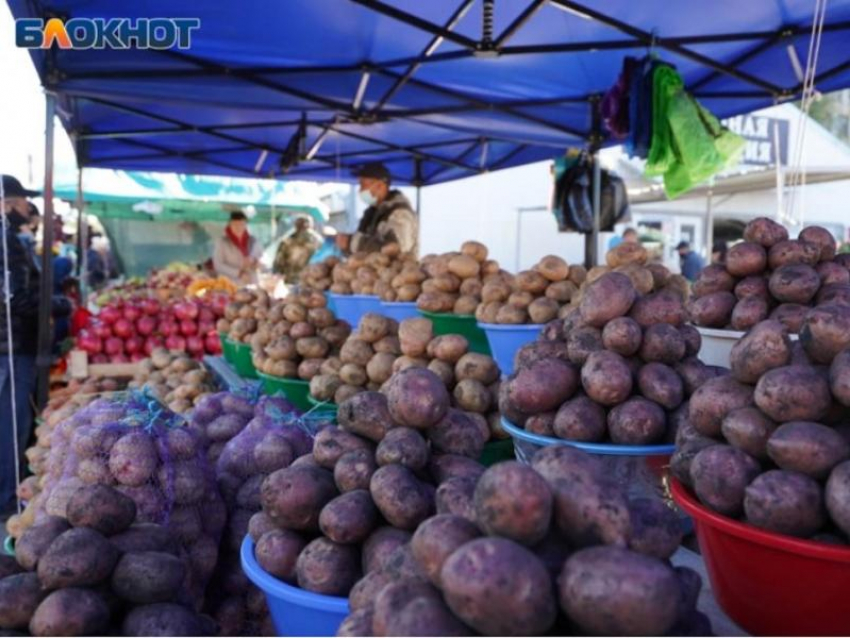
{"x":380,"y":348}
{"x":175,"y":379}
{"x":367,"y":274}
{"x":270,"y":441}
{"x":530,"y":550}
{"x":619,"y":368}
{"x":142,"y":451}
{"x":531,"y":296}
{"x":318,"y":276}
{"x":769,"y":443}
{"x":455,"y":280}
{"x":242,"y":314}
{"x":632,"y":260}
{"x":96,"y":572}
{"x":366,"y":485}
{"x":293,"y":336}
{"x":769,"y":276}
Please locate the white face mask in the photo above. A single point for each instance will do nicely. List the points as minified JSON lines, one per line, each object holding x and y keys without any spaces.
{"x":368,"y":198}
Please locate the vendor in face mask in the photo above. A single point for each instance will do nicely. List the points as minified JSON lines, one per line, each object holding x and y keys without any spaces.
{"x":388,"y":218}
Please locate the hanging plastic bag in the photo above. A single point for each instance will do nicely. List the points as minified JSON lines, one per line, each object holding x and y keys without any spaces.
{"x":704,"y":147}
{"x":662,"y":155}
{"x":574,"y":199}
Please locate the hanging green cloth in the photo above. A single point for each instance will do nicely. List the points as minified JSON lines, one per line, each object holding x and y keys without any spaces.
{"x":689,"y":144}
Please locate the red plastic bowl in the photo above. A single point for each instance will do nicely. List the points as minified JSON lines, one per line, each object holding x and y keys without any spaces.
{"x":770,"y":584}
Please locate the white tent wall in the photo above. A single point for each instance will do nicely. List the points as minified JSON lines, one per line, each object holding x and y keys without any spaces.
{"x":506,"y":210}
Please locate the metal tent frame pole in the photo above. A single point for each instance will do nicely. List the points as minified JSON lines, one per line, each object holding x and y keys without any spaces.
{"x":597,"y":204}
{"x":591,"y":240}
{"x":709,"y":222}
{"x":45,"y":332}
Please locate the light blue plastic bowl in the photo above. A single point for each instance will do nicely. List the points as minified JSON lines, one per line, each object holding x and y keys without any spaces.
{"x":640,"y":469}
{"x":351,"y":307}
{"x":295,"y":612}
{"x":505,"y":340}
{"x":399,"y":310}
{"x":605,"y":449}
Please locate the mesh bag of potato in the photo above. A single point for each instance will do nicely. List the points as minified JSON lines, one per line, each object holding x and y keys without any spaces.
{"x":145,"y":452}
{"x":274,"y":436}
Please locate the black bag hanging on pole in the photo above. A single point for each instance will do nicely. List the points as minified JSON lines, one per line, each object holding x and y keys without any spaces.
{"x":573,"y":204}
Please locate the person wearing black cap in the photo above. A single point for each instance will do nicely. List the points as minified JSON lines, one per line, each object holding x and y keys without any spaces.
{"x":237,"y":254}
{"x":18,"y":332}
{"x":388,"y":218}
{"x":689,"y":262}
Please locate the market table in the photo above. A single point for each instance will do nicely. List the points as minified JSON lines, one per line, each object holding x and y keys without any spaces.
{"x":721,"y":624}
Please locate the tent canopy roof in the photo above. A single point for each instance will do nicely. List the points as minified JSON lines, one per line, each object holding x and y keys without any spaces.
{"x":215,"y":196}
{"x":437,"y":90}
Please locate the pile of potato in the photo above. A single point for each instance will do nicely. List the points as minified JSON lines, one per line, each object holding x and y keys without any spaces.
{"x":96,"y":572}
{"x":532,"y":550}
{"x":380,"y":348}
{"x":242,"y":314}
{"x":770,"y":442}
{"x":389,"y":273}
{"x":513,"y":550}
{"x":618,"y":368}
{"x":534,"y":296}
{"x":632,"y":260}
{"x":769,"y":276}
{"x":174,"y":379}
{"x":319,"y":276}
{"x":455,"y":280}
{"x":366,"y":485}
{"x":293,"y":336}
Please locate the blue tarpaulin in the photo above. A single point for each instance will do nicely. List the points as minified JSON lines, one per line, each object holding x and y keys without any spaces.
{"x":437,"y":89}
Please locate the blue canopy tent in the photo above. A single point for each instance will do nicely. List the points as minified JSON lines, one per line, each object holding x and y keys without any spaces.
{"x":437,"y":90}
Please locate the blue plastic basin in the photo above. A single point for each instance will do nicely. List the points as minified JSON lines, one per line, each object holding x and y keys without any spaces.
{"x":505,"y":340}
{"x":399,"y":310}
{"x":606,"y":449}
{"x":295,"y":612}
{"x":351,"y":307}
{"x":640,"y":469}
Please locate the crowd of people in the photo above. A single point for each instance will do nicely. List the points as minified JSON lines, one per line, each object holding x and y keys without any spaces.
{"x":389,"y":217}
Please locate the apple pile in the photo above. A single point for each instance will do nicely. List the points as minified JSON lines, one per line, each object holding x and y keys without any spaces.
{"x":130,"y":330}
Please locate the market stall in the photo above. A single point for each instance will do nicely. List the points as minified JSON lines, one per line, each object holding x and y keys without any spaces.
{"x":152,"y":220}
{"x":334,"y":524}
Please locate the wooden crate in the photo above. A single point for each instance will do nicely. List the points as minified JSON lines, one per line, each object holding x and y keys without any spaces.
{"x":80,"y":368}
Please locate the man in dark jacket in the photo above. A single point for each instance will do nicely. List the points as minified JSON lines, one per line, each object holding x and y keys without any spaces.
{"x":18,"y":333}
{"x":389,"y":217}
